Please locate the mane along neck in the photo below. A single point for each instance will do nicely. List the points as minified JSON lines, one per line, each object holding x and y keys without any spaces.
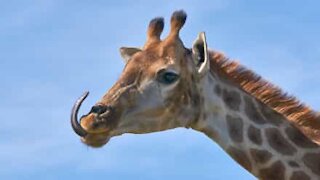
{"x":301,"y":115}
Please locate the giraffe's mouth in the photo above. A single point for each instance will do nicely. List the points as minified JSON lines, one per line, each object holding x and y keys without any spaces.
{"x":93,"y":129}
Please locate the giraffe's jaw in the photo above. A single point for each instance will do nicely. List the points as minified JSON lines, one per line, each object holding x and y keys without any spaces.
{"x":95,"y":140}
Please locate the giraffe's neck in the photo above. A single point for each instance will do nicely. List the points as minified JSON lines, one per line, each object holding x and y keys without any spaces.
{"x":261,"y":140}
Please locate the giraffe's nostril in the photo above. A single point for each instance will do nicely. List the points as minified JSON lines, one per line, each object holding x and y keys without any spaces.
{"x":98,"y":109}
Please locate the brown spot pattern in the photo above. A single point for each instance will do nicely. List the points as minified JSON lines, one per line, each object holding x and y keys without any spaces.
{"x":270,"y":115}
{"x":268,"y":94}
{"x":293,"y":164}
{"x":274,"y":172}
{"x":260,"y":156}
{"x":240,"y":157}
{"x":312,"y":161}
{"x":232,"y":99}
{"x":299,"y":175}
{"x":278,"y":142}
{"x":254,"y":135}
{"x":251,"y":111}
{"x":298,"y":138}
{"x":235,"y":128}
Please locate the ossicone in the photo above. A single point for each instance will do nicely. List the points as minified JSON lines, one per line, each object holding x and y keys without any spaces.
{"x":178,"y":19}
{"x":155,"y":29}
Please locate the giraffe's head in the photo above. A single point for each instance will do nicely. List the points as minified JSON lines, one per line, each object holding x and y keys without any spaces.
{"x":157,"y":89}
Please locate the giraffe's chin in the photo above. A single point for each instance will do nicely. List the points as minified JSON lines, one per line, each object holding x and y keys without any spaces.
{"x":95,"y":140}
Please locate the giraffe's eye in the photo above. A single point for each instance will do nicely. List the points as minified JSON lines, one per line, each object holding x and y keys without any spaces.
{"x":166,"y":77}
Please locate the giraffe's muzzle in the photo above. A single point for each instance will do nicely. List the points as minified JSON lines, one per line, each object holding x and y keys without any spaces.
{"x":98,"y":120}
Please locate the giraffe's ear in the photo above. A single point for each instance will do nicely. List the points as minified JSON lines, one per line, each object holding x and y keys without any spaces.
{"x":200,"y":54}
{"x":128,"y":52}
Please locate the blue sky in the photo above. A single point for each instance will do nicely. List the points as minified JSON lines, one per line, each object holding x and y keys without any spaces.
{"x":53,"y":50}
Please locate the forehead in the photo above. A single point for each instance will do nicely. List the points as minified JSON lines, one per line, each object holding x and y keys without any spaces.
{"x":162,"y":54}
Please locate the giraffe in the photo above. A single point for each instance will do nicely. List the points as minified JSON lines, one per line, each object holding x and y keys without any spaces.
{"x":165,"y":85}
